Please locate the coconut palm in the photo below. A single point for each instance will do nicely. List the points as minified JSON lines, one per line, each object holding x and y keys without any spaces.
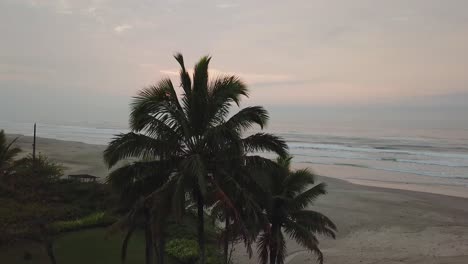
{"x":134,"y":182}
{"x":7,"y":152}
{"x":291,"y":193}
{"x":237,"y":203}
{"x":193,"y":131}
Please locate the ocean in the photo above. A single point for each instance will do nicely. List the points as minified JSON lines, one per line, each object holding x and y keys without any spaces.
{"x":427,"y":152}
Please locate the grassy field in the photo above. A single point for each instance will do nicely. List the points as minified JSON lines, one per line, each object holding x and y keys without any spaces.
{"x":89,"y":246}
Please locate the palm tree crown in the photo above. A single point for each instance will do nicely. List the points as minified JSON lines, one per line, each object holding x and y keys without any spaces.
{"x":291,"y":192}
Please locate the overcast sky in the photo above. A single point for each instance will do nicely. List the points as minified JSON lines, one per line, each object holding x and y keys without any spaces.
{"x":83,"y":59}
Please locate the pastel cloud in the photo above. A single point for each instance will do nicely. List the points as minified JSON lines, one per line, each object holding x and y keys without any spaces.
{"x":122,"y":28}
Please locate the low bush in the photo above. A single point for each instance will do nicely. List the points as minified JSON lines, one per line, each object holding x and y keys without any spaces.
{"x":185,"y":251}
{"x":99,"y":219}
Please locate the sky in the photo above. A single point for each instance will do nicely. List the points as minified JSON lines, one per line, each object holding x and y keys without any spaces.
{"x":82,"y":60}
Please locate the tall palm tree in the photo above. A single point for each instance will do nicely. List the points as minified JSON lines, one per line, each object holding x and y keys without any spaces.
{"x":291,"y":193}
{"x":7,"y":152}
{"x":193,"y":131}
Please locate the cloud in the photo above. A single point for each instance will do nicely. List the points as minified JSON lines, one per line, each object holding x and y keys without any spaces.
{"x":122,"y":28}
{"x":59,"y":6}
{"x":225,"y":5}
{"x":251,"y":78}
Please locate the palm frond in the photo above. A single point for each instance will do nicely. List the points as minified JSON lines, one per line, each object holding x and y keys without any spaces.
{"x":7,"y":151}
{"x":297,"y":181}
{"x":223,"y":92}
{"x":132,"y":145}
{"x":157,"y":127}
{"x":264,"y":240}
{"x":264,"y":142}
{"x":304,"y":237}
{"x":315,"y":222}
{"x":139,"y":178}
{"x":304,"y":199}
{"x":200,"y":76}
{"x":284,"y":161}
{"x":186,"y":83}
{"x":247,"y":117}
{"x":158,"y":101}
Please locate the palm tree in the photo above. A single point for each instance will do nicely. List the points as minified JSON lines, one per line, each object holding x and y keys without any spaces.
{"x":7,"y":152}
{"x":237,"y":203}
{"x":134,"y":182}
{"x":193,"y":132}
{"x":285,"y":208}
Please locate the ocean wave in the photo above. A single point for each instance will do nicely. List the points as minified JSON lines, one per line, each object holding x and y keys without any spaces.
{"x":348,"y":148}
{"x":416,"y":172}
{"x":422,"y":162}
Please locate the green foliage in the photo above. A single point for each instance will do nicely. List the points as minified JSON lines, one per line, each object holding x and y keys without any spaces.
{"x":184,"y":250}
{"x":99,"y":219}
{"x":17,"y":218}
{"x":86,"y":246}
{"x":7,"y":152}
{"x":291,"y":192}
{"x":42,"y":168}
{"x":63,"y":200}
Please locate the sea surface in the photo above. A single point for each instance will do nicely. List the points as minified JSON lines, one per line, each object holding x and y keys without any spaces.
{"x":428,"y":152}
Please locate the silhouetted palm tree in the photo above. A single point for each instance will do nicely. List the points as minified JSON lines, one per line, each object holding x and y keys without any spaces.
{"x":7,"y":152}
{"x":194,"y":133}
{"x":134,"y":182}
{"x":291,"y":193}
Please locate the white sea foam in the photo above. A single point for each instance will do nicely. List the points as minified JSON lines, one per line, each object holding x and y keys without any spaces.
{"x":437,"y":157}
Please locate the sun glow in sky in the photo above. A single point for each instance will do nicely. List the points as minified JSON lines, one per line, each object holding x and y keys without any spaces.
{"x":74,"y":53}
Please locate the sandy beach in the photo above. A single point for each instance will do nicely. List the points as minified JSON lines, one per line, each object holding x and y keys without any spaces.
{"x":414,"y":219}
{"x":76,"y":157}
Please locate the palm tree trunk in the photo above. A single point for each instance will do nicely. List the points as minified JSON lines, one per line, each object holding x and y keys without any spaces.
{"x":273,"y":245}
{"x":273,"y":254}
{"x":148,"y":238}
{"x":226,"y":237}
{"x":201,"y":228}
{"x":161,"y":245}
{"x":50,"y":253}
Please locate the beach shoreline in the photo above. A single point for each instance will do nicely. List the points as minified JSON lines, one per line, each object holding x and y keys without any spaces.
{"x":83,"y":158}
{"x":390,"y":222}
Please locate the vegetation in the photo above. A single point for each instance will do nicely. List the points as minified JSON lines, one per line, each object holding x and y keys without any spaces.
{"x":7,"y":152}
{"x":33,"y":196}
{"x":185,"y":169}
{"x":290,"y":193}
{"x":185,"y":140}
{"x":99,"y":219}
{"x":188,"y":151}
{"x":184,"y":250}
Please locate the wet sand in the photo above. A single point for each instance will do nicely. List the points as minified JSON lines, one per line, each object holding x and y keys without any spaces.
{"x":378,"y":225}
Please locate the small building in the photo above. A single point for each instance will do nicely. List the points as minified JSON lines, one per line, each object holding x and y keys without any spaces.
{"x":83,"y":178}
